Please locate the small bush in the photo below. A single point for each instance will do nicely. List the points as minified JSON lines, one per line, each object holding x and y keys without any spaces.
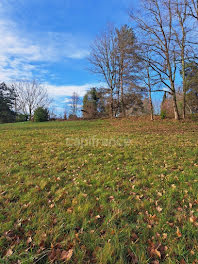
{"x":194,"y":117}
{"x":73,"y":117}
{"x":163,"y":114}
{"x":21,"y":118}
{"x":41,"y":114}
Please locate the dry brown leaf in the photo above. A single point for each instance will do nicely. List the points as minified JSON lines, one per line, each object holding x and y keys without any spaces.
{"x":9,"y":252}
{"x":192,"y":219}
{"x":98,"y":217}
{"x":134,"y":237}
{"x":55,"y":254}
{"x":133,"y":257}
{"x":66,"y":255}
{"x":164,"y":236}
{"x":54,"y":221}
{"x":156,"y":252}
{"x":52,"y":255}
{"x":179,"y":234}
{"x":69,"y":210}
{"x":42,"y":245}
{"x":29,"y":240}
{"x":159,"y":209}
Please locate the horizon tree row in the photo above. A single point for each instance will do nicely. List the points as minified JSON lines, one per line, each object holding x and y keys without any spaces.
{"x":22,"y":101}
{"x":157,"y":55}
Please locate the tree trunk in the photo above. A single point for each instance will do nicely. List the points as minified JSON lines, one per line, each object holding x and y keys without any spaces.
{"x":30,"y":111}
{"x":111,"y":103}
{"x":150,"y":98}
{"x":184,"y":88}
{"x":183,"y":74}
{"x":151,"y":106}
{"x":176,"y":112}
{"x":122,"y":97}
{"x":184,"y":104}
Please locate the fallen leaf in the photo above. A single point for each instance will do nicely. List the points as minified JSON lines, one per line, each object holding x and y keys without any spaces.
{"x":134,"y":237}
{"x":179,"y":234}
{"x":159,"y":209}
{"x":9,"y":253}
{"x":132,"y":256}
{"x":66,"y":255}
{"x":52,"y":255}
{"x":69,"y":210}
{"x":164,"y":236}
{"x":29,"y":240}
{"x":156,"y":252}
{"x":98,"y":217}
{"x":55,"y":254}
{"x":192,"y":219}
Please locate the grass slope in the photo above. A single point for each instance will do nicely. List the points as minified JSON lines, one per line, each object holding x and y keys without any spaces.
{"x":128,"y":196}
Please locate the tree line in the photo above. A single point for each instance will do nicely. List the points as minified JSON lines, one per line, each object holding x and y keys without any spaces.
{"x":157,"y":54}
{"x":22,"y":101}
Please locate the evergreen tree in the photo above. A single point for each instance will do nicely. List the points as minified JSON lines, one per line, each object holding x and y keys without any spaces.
{"x":7,"y":101}
{"x":93,"y":104}
{"x":41,"y":114}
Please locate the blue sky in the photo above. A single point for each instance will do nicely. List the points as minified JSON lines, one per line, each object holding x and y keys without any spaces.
{"x":49,"y":40}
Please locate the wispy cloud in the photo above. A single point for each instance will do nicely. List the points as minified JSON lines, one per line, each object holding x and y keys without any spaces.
{"x":22,"y":53}
{"x":68,"y":90}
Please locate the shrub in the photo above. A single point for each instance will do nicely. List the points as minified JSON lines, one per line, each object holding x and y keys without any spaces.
{"x":194,"y":117}
{"x":73,"y":117}
{"x":41,"y":114}
{"x":21,"y":118}
{"x":163,"y":114}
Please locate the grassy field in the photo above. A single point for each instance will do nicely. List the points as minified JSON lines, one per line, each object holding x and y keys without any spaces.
{"x":106,"y":191}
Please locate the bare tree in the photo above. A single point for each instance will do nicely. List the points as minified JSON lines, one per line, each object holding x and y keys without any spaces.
{"x":148,"y":78}
{"x":181,"y":33}
{"x":193,"y":7}
{"x":30,"y":95}
{"x":52,"y":113}
{"x":103,"y":61}
{"x":75,"y":99}
{"x":157,"y":27}
{"x":65,"y":114}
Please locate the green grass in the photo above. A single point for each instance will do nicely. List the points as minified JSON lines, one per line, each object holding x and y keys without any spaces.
{"x":130,"y":196}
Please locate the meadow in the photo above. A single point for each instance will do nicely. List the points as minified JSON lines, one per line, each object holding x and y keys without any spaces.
{"x":104,"y":191}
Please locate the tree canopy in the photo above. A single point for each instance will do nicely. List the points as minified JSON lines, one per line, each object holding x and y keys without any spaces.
{"x":7,"y":102}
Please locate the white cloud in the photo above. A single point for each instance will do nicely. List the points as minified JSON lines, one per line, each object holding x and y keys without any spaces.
{"x":68,"y":90}
{"x":22,"y":54}
{"x":67,"y":100}
{"x":20,"y":51}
